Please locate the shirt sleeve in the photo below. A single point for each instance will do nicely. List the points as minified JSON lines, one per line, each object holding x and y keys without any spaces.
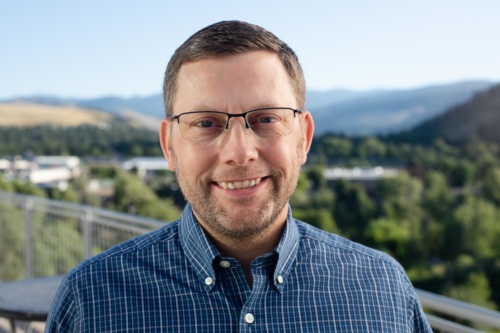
{"x":63,"y":313}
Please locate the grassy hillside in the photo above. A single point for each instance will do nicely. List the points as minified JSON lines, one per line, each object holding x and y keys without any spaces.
{"x":62,"y":130}
{"x":26,"y":114}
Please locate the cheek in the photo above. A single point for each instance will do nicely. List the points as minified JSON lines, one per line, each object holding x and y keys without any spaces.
{"x":283,"y":155}
{"x":193,"y":159}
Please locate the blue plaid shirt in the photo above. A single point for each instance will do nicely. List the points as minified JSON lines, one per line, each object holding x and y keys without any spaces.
{"x":174,"y":280}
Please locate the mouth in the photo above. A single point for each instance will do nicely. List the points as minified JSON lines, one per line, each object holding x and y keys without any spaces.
{"x":238,"y":185}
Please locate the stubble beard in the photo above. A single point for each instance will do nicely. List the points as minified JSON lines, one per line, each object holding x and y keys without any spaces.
{"x":253,"y":222}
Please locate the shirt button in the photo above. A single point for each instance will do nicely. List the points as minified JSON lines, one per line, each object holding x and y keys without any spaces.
{"x":249,"y":318}
{"x":209,"y":281}
{"x":225,"y":264}
{"x":279,"y":279}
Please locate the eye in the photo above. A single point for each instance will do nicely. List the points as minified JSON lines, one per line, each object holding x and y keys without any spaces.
{"x":207,"y":121}
{"x":263,"y":118}
{"x":204,"y":123}
{"x":267,"y":119}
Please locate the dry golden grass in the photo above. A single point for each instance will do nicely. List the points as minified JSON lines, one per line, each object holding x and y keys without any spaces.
{"x":26,"y":114}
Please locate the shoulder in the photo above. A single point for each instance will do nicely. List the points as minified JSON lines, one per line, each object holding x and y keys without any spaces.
{"x":162,"y":240}
{"x":343,"y":250}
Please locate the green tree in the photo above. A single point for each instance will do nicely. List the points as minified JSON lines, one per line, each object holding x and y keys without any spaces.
{"x":58,"y":246}
{"x":475,"y":290}
{"x":316,"y":177}
{"x":320,"y":218}
{"x":133,"y":196}
{"x":388,"y":235}
{"x":11,"y":242}
{"x":401,"y":197}
{"x":437,"y":199}
{"x":491,"y":185}
{"x":479,"y":228}
{"x":313,"y":201}
{"x":353,"y":209}
{"x":337,"y":147}
{"x":69,"y":195}
{"x":371,"y":147}
{"x":28,"y":189}
{"x":401,"y":203}
{"x":6,"y":186}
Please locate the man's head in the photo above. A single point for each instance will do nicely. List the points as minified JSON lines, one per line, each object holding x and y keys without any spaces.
{"x":235,"y":135}
{"x":226,"y":38}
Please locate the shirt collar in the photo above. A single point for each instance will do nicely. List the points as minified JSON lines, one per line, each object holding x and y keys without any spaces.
{"x":198,"y":248}
{"x":201,"y":252}
{"x":287,"y":251}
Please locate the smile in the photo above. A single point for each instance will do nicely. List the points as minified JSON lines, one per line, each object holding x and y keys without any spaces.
{"x":240,"y":184}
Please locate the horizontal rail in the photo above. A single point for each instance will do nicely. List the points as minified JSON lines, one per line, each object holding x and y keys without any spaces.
{"x":459,"y":309}
{"x":75,"y":210}
{"x":447,"y":326}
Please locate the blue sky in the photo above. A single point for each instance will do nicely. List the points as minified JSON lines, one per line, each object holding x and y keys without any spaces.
{"x":97,"y":48}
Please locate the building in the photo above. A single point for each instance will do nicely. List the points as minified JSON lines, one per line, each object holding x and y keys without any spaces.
{"x":145,"y":165}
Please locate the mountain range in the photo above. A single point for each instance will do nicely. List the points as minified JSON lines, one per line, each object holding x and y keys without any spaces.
{"x":346,"y":112}
{"x":477,"y":118}
{"x":390,"y":111}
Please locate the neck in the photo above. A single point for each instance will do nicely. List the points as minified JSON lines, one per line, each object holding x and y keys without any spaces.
{"x":247,"y":249}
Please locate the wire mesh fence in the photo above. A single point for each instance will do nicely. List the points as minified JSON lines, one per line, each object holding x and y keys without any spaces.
{"x":41,"y":237}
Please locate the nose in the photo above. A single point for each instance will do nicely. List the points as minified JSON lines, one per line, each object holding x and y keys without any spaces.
{"x":238,"y":146}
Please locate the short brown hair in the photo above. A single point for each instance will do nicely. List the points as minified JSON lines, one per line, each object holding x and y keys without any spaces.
{"x":227,"y":38}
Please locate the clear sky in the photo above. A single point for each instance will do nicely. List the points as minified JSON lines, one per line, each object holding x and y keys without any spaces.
{"x":96,"y":48}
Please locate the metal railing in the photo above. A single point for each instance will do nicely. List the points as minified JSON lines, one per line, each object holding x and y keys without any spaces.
{"x":41,"y":237}
{"x":459,"y":310}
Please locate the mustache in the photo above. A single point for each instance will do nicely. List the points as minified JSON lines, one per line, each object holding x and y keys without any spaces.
{"x":236,"y":173}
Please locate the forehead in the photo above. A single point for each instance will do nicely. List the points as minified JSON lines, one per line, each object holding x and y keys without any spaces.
{"x":233,"y":83}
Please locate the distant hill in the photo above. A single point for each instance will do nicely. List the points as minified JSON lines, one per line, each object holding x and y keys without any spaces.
{"x":33,"y":112}
{"x":478,"y":118}
{"x":149,"y":105}
{"x":27,"y":129}
{"x":22,"y":114}
{"x":317,"y":100}
{"x":337,"y":111}
{"x":384,"y":112}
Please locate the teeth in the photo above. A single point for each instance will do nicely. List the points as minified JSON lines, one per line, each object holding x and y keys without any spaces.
{"x":240,"y":184}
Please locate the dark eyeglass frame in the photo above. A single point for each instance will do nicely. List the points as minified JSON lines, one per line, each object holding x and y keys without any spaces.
{"x":235,"y":115}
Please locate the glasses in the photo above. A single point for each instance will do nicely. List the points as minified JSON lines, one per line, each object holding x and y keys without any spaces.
{"x":206,"y":126}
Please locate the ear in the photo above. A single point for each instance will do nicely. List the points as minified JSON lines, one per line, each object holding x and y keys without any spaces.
{"x":307,"y":134}
{"x":165,"y":128}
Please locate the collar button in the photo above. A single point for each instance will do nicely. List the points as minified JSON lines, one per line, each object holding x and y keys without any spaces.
{"x":225,"y":263}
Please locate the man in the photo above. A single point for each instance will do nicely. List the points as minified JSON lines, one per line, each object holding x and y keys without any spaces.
{"x":236,"y":135}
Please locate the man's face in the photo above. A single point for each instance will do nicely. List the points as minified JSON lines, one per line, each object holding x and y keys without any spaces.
{"x":263,"y":172}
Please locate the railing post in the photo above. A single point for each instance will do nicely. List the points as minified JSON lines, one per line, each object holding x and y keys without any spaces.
{"x":87,"y":233}
{"x":28,"y":237}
